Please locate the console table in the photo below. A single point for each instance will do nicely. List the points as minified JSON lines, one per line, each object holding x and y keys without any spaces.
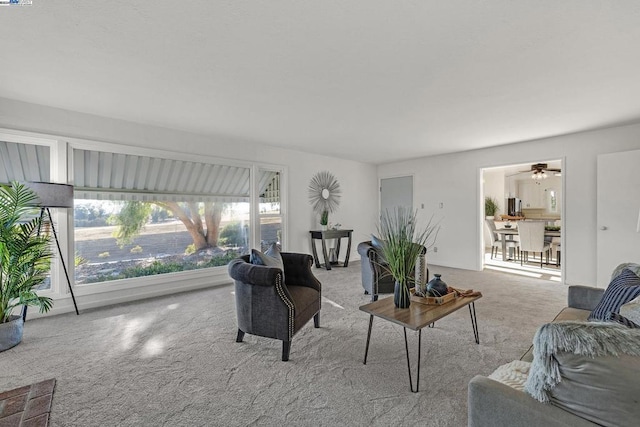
{"x":325,"y":235}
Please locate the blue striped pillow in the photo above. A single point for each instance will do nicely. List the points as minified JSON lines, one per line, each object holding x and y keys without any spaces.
{"x":622,"y":289}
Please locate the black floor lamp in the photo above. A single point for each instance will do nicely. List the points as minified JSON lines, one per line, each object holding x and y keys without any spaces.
{"x":53,"y":195}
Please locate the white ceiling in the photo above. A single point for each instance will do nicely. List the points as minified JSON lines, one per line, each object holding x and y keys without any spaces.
{"x":368,"y":80}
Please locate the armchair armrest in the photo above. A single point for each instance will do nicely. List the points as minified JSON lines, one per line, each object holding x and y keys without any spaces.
{"x":584,"y":297}
{"x":260,"y":275}
{"x":364,"y":248}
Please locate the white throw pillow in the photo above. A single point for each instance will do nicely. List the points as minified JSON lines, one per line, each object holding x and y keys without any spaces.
{"x":514,"y":374}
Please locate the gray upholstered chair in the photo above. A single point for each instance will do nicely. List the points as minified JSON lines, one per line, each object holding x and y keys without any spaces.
{"x":273,"y":305}
{"x":376,"y":277}
{"x":496,"y":240}
{"x":532,"y":240}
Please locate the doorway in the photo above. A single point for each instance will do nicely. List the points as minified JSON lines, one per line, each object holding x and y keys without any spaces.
{"x":618,"y":211}
{"x":395,"y":192}
{"x":523,"y":192}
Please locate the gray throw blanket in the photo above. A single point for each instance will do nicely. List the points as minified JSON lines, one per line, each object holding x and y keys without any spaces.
{"x":591,"y":339}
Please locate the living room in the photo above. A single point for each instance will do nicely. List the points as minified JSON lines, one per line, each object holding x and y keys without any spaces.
{"x":39,"y":105}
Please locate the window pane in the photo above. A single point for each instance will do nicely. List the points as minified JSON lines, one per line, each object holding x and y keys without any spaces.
{"x":23,"y":162}
{"x":26,"y":162}
{"x":124,"y":239}
{"x":270,"y":232}
{"x":269,"y":209}
{"x":269,"y":192}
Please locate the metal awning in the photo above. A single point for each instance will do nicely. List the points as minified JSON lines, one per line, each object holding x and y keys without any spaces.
{"x":114,"y":176}
{"x":23,"y":162}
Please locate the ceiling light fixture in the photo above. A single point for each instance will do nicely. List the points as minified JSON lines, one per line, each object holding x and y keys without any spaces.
{"x":538,"y":175}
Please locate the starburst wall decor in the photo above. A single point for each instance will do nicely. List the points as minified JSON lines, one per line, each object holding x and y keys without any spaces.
{"x":324,"y":192}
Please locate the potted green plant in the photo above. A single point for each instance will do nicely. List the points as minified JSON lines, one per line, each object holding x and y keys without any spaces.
{"x":25,"y":256}
{"x":324,"y":219}
{"x":490,"y":207}
{"x":402,"y":243}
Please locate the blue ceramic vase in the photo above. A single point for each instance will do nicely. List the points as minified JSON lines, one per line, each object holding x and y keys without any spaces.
{"x":401,"y":296}
{"x":436,"y":287}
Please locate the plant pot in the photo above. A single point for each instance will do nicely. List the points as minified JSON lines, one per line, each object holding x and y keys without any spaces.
{"x":401,"y":295}
{"x":11,"y":332}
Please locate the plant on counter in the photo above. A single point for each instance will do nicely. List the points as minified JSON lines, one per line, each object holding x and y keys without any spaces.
{"x":490,"y":206}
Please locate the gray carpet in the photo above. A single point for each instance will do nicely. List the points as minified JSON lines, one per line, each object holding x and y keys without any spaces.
{"x":174,"y":361}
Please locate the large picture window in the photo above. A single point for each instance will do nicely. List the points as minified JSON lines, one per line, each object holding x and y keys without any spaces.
{"x":143,"y":212}
{"x":138,"y":216}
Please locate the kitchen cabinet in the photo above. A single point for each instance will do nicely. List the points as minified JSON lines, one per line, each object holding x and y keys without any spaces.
{"x":532,"y":194}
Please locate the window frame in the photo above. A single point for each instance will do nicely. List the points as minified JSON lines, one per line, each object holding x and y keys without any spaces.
{"x":119,"y":291}
{"x":216,"y":273}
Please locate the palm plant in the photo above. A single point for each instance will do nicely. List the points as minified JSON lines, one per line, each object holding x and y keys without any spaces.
{"x":402,"y":243}
{"x":490,"y":206}
{"x":25,"y":254}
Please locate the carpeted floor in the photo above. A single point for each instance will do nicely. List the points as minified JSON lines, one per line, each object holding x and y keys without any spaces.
{"x":174,"y":360}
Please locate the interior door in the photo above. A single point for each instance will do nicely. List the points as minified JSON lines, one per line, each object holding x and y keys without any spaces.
{"x":397,"y":191}
{"x":618,"y":212}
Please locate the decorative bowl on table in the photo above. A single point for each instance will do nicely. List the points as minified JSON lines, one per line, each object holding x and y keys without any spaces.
{"x":508,"y":226}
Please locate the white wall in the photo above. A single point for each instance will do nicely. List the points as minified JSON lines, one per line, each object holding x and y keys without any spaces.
{"x":494,"y":187}
{"x":358,"y":181}
{"x":455,"y":180}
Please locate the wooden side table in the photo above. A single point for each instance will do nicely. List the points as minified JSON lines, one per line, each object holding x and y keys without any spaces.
{"x":324,"y":235}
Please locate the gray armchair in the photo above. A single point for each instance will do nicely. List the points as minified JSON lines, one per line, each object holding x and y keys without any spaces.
{"x":270,"y":307}
{"x":376,"y":277}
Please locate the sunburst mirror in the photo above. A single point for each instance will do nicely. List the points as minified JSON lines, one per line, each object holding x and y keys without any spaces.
{"x":324,"y":192}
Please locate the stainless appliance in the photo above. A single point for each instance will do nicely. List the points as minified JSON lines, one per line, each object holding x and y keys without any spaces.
{"x":514,"y":206}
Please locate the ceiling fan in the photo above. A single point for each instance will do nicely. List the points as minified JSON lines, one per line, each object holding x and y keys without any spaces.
{"x":539,"y":171}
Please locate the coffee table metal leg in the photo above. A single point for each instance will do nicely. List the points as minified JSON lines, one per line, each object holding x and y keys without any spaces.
{"x":366,"y":350}
{"x":474,"y":321}
{"x":406,"y":347}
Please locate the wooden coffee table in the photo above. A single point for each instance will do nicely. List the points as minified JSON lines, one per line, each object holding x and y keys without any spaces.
{"x":416,"y":317}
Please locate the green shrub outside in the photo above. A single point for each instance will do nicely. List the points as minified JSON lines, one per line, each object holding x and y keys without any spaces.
{"x":158,"y":267}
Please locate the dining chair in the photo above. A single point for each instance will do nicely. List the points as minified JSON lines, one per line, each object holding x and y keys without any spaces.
{"x":496,"y":241}
{"x":532,"y":240}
